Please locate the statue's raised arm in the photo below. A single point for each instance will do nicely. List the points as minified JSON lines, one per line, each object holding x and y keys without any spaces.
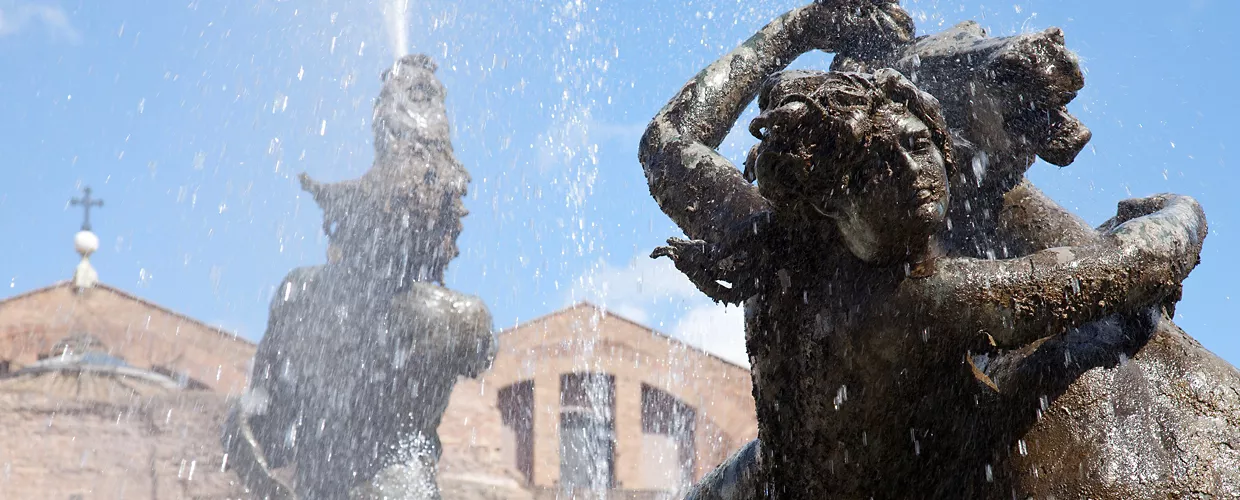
{"x":696,"y":186}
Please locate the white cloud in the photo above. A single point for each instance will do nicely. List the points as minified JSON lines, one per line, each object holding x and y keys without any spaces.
{"x":717,"y":329}
{"x":574,"y":138}
{"x":16,"y":17}
{"x":652,"y":292}
{"x":643,"y":280}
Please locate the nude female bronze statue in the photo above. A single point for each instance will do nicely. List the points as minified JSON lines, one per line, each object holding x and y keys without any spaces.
{"x":884,"y":364}
{"x":360,"y":356}
{"x":1130,"y":406}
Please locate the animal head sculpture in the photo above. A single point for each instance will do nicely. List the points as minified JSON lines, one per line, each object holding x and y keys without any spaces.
{"x":1003,"y":98}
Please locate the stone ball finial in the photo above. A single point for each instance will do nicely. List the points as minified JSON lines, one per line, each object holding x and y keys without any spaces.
{"x":85,"y":242}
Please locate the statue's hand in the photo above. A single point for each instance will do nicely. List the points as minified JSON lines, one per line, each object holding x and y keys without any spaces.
{"x":737,"y":261}
{"x":1139,"y":207}
{"x":1169,"y":210}
{"x":1175,"y":215}
{"x":856,"y":25}
{"x":708,"y":267}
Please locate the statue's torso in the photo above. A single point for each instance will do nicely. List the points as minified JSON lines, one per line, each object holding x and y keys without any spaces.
{"x":842,"y":370}
{"x":370,"y":370}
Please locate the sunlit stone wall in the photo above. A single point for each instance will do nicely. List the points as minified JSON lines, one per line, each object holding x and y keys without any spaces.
{"x":585,"y":339}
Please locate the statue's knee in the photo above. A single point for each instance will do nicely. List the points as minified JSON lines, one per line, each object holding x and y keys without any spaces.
{"x":410,"y":480}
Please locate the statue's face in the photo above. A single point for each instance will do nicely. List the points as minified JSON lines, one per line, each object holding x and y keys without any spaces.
{"x":888,"y":210}
{"x":865,"y":151}
{"x":410,"y":107}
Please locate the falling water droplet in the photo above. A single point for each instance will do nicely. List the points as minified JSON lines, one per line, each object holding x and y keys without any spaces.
{"x":980,"y":163}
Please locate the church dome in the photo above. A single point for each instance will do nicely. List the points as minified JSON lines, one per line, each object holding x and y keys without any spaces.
{"x":78,"y":344}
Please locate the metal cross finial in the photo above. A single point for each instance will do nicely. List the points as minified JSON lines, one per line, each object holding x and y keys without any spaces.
{"x":86,"y":202}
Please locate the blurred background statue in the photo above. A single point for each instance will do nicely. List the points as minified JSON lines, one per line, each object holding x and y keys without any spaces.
{"x":360,"y":355}
{"x":849,"y":215}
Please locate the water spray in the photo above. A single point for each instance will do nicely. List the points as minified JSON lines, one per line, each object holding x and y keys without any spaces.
{"x":396,"y":18}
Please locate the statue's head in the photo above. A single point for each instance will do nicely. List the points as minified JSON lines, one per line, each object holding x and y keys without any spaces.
{"x":402,"y":218}
{"x":410,"y":108}
{"x":869,"y":152}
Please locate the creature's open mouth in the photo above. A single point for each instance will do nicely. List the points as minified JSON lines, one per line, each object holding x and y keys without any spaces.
{"x":1066,"y":137}
{"x":1040,"y":77}
{"x":1055,"y":134}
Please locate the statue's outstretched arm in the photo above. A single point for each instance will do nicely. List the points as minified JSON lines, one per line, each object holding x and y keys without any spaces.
{"x":1155,"y":242}
{"x":697,"y":187}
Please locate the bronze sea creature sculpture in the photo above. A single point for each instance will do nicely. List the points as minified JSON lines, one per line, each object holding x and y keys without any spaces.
{"x":360,"y":356}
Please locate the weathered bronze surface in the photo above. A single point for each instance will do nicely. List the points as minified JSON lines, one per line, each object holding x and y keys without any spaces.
{"x":891,"y":364}
{"x":360,"y":355}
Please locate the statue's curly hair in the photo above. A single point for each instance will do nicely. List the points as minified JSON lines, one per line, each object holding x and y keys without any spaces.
{"x":830,"y":125}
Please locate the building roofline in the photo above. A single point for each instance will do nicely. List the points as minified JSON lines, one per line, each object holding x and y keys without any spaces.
{"x":35,"y":291}
{"x":608,"y":312}
{"x":135,"y":298}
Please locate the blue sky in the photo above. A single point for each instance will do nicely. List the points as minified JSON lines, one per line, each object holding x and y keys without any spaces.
{"x":192,"y":120}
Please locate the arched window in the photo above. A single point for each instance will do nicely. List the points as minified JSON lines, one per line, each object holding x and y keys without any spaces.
{"x":668,"y":428}
{"x":587,"y":431}
{"x":516,"y":408}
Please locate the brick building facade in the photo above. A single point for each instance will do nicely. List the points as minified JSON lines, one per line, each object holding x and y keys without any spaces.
{"x":583,"y":401}
{"x":145,"y":334}
{"x":106,"y":395}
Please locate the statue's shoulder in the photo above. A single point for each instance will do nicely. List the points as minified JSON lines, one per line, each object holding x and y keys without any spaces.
{"x":295,"y":284}
{"x":429,"y":298}
{"x":304,"y":274}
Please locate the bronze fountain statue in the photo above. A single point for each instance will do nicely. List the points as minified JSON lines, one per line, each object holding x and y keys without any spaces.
{"x":922,"y":322}
{"x":360,"y":356}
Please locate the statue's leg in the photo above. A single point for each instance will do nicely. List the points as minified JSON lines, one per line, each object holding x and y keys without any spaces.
{"x":411,"y":476}
{"x":735,"y":479}
{"x":246,"y":458}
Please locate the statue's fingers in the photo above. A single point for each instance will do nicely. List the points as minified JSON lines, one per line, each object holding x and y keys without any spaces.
{"x":681,"y":242}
